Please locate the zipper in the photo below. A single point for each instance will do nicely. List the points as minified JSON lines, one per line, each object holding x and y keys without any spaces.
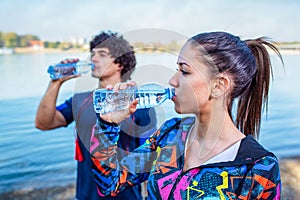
{"x":182,"y":158}
{"x":179,"y":178}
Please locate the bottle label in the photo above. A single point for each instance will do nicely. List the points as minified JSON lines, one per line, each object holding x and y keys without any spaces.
{"x":148,"y":96}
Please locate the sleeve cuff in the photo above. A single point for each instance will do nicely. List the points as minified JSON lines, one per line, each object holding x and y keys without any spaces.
{"x":107,"y":127}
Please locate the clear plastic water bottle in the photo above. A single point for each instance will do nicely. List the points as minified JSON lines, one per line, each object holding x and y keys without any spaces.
{"x":148,"y":95}
{"x":61,"y":70}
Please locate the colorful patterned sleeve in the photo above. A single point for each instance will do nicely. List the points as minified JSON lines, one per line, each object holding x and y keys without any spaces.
{"x":111,"y":176}
{"x":264,"y":181}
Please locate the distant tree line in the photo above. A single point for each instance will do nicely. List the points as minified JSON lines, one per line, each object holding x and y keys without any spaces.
{"x":172,"y":46}
{"x":12,"y":39}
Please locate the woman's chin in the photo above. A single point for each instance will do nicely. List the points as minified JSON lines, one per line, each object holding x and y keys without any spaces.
{"x":178,"y":110}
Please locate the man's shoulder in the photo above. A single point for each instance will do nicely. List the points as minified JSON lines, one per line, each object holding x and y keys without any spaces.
{"x":82,"y":101}
{"x":83,"y":95}
{"x":79,"y":98}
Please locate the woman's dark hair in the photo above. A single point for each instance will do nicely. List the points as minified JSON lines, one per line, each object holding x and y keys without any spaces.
{"x":248,"y":65}
{"x":119,"y":49}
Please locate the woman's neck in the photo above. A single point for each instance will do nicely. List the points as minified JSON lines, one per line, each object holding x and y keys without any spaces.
{"x":207,"y":140}
{"x":216,"y":125}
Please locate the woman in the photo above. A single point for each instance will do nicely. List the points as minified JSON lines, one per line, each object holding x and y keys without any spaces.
{"x":212,"y":155}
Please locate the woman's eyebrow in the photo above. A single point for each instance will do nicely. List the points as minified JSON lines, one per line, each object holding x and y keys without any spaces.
{"x":183,"y":64}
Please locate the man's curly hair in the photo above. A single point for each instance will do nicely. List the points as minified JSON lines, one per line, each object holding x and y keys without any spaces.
{"x":119,"y":49}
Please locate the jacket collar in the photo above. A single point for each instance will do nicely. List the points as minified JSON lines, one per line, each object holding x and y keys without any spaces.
{"x":249,"y":152}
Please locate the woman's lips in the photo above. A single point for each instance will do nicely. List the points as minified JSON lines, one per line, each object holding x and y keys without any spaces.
{"x":174,"y":97}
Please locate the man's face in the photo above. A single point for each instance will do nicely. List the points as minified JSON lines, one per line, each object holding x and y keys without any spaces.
{"x":104,"y":66}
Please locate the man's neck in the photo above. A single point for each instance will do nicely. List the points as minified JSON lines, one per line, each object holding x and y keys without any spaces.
{"x":104,"y":82}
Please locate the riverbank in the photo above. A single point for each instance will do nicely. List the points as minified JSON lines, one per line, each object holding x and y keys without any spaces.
{"x":52,"y":193}
{"x":30,"y":50}
{"x":290,"y":176}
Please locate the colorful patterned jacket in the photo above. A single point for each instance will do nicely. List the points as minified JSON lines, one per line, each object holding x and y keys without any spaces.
{"x":253,"y":174}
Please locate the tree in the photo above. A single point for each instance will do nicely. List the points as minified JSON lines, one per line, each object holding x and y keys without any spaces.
{"x":10,"y":39}
{"x":25,"y":39}
{"x":48,"y":44}
{"x":65,"y":45}
{"x":1,"y":40}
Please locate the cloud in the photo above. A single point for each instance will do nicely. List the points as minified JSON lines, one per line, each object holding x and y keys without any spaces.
{"x":57,"y":20}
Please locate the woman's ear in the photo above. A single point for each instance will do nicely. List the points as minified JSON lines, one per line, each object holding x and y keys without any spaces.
{"x":220,"y":86}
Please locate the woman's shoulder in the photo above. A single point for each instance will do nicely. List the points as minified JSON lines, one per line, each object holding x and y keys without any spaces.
{"x":251,"y":150}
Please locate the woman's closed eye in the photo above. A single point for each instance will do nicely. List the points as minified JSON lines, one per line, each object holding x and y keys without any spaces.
{"x":182,"y":68}
{"x":183,"y":71}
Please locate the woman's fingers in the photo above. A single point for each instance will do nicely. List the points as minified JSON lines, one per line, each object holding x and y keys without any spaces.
{"x":124,"y":85}
{"x":132,"y":107}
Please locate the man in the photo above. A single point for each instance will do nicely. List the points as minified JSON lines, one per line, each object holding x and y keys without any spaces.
{"x":114,"y":61}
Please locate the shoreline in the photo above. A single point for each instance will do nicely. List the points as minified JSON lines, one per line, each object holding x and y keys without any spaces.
{"x":30,"y":50}
{"x":289,"y":169}
{"x":66,"y":192}
{"x":290,"y":177}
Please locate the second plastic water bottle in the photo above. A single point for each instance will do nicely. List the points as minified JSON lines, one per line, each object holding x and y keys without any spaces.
{"x":61,"y":70}
{"x":148,"y":95}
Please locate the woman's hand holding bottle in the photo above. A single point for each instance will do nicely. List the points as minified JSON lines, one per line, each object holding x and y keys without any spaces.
{"x":119,"y":115}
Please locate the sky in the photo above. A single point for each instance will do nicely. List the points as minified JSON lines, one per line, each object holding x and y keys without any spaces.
{"x":57,"y":20}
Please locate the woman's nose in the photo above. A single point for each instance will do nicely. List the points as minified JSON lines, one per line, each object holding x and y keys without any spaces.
{"x":174,"y":80}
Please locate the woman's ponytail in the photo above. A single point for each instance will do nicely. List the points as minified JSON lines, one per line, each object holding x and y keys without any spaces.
{"x":255,"y":98}
{"x":248,"y":65}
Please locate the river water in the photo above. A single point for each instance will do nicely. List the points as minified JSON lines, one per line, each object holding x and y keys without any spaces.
{"x":31,"y":158}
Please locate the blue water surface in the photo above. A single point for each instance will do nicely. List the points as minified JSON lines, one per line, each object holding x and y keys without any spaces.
{"x":31,"y":158}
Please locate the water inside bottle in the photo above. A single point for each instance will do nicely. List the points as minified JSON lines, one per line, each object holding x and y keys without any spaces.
{"x":107,"y":100}
{"x":68,"y":69}
{"x":148,"y":96}
{"x":84,"y":67}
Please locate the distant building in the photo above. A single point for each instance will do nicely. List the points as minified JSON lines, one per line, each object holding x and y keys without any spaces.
{"x":36,"y":44}
{"x":78,"y":41}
